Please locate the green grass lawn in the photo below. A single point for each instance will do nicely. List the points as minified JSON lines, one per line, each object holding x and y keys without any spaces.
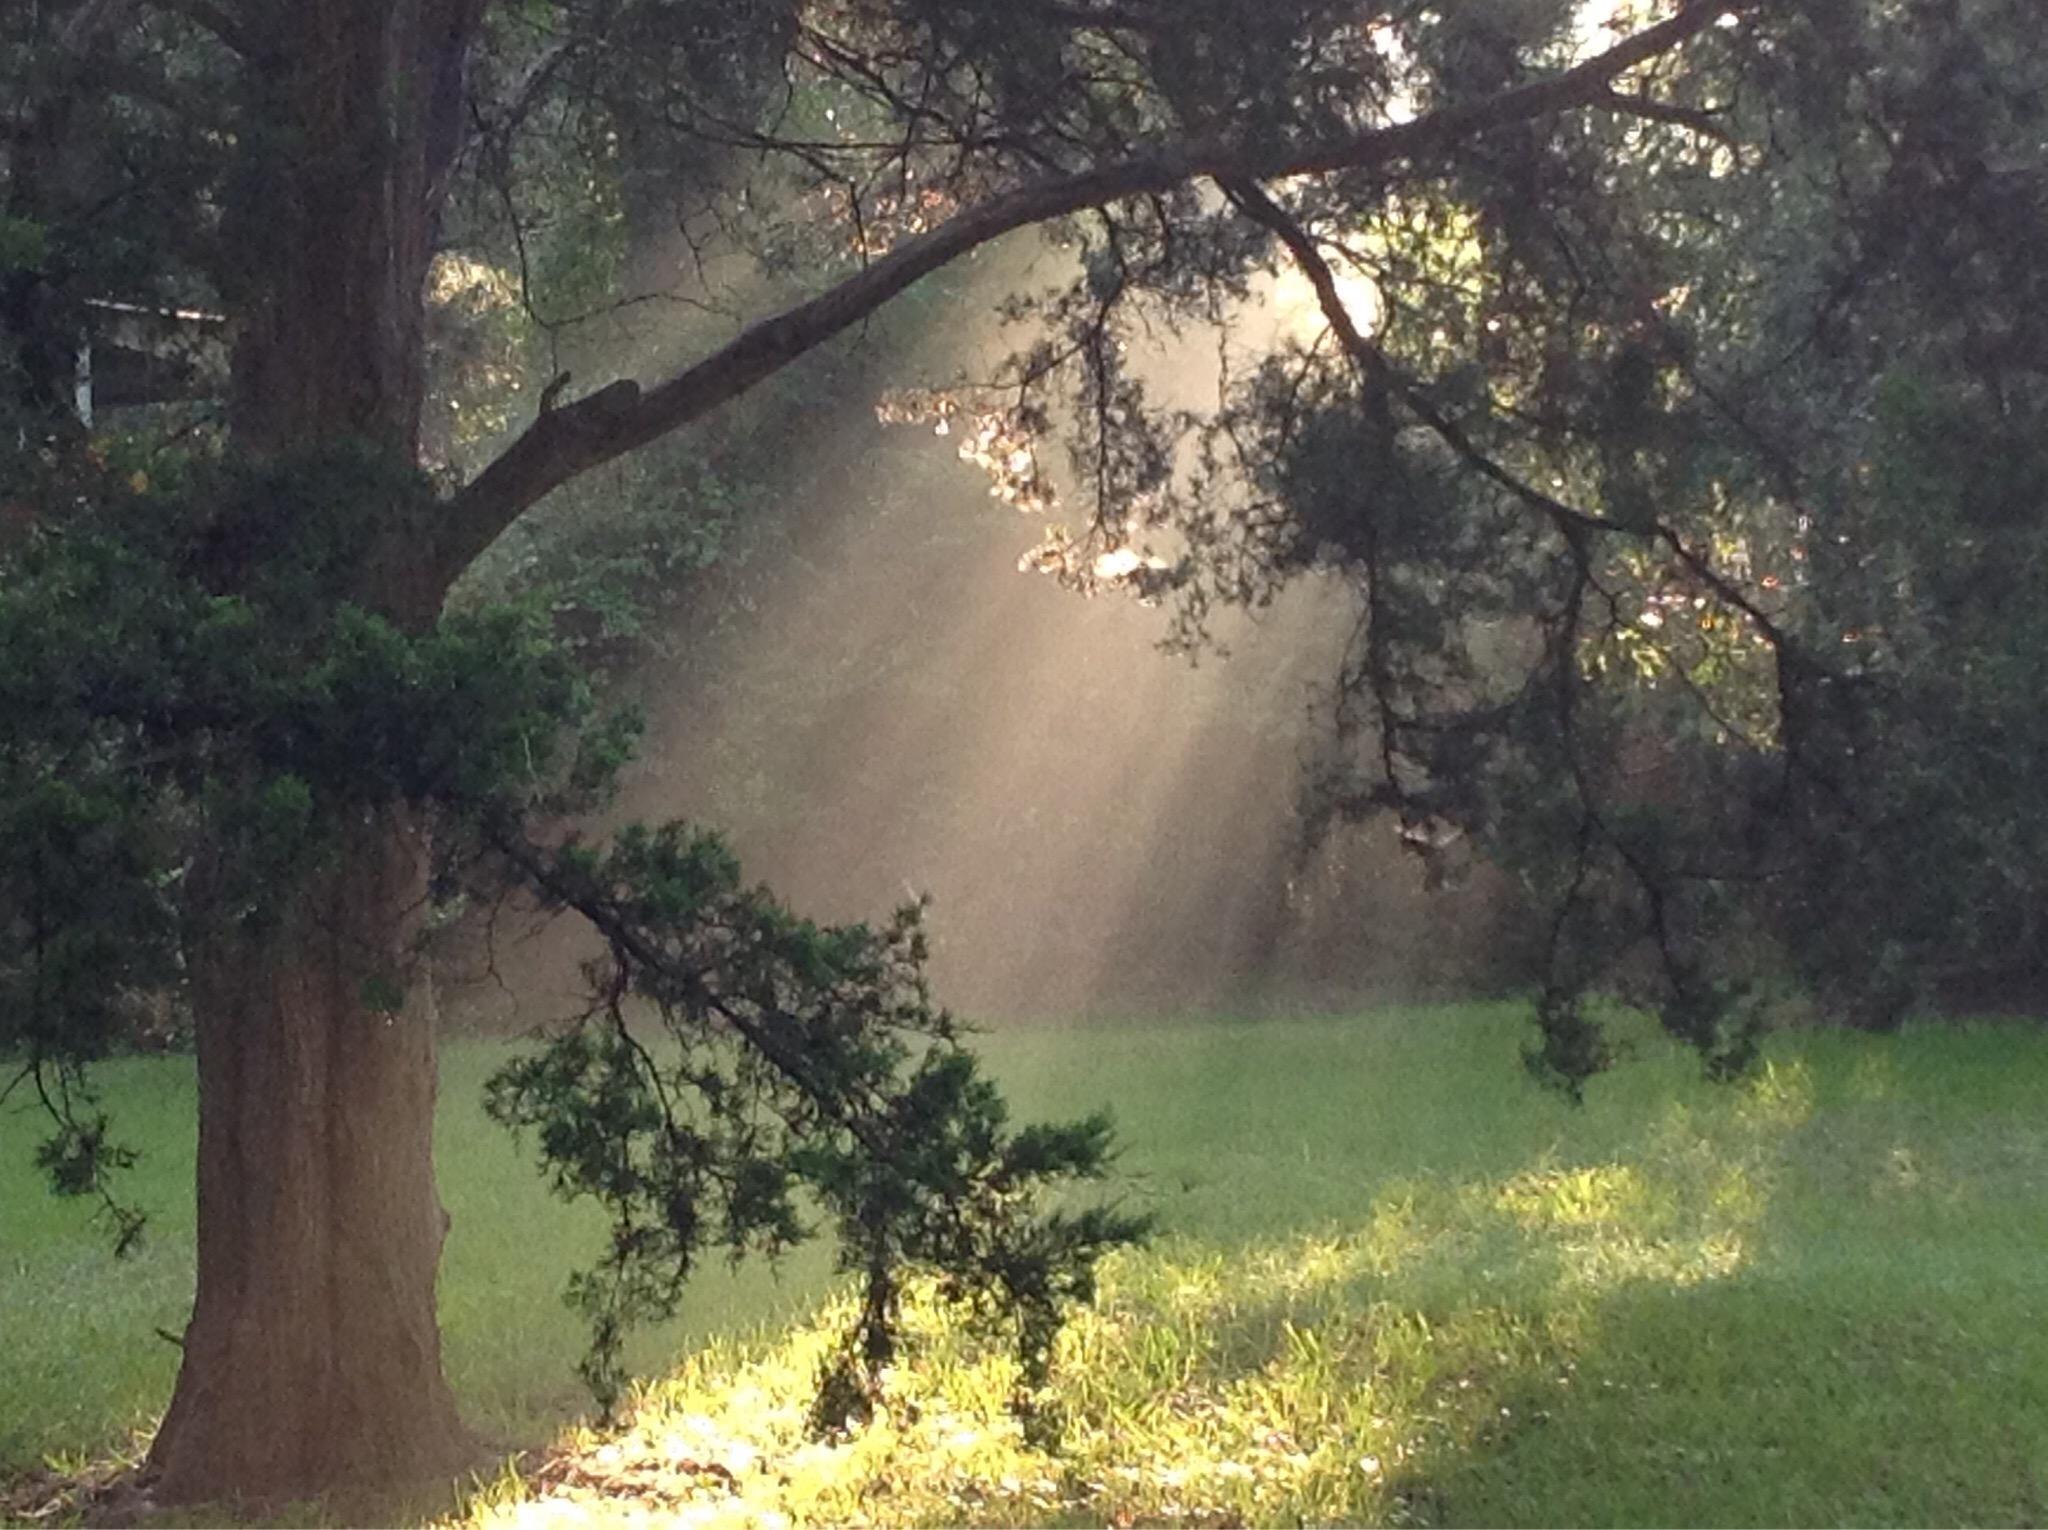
{"x":82,"y":1366}
{"x":1395,"y":1283}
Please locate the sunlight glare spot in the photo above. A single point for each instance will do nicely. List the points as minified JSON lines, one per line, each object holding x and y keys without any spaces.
{"x":1299,"y":313}
{"x":1122,"y":563}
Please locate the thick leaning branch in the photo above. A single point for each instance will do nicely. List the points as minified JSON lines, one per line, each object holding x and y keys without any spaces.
{"x":566,"y":442}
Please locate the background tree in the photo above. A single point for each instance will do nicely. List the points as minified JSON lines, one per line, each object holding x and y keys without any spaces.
{"x":251,"y":749}
{"x":1749,"y":738}
{"x":1615,"y":427}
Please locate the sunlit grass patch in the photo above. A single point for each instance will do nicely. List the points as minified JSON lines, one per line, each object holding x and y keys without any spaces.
{"x":1346,"y":1375}
{"x":1396,"y":1284}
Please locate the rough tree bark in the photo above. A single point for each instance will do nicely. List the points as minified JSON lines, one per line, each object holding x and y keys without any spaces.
{"x":313,"y":1357}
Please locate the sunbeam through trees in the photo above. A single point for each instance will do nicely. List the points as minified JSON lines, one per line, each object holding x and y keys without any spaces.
{"x":1632,"y":413}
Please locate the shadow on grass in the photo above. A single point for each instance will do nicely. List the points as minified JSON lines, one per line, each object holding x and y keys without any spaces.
{"x":1800,"y":1302}
{"x":1814,"y":1297}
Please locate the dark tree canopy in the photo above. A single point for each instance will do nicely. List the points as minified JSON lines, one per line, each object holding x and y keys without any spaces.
{"x":1676,"y":420}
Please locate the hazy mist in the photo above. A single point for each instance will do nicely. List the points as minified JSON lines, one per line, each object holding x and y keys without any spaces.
{"x":877,"y":704}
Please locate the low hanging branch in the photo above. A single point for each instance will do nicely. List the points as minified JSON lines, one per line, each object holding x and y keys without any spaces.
{"x":740,"y":1073}
{"x":739,"y":1066}
{"x":1572,"y":1047}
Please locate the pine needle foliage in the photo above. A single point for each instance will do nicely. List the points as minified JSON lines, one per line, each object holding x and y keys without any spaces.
{"x":742,"y":1076}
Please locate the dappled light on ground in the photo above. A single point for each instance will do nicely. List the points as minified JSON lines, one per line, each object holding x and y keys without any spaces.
{"x":1395,"y":1284}
{"x":1376,"y":1372}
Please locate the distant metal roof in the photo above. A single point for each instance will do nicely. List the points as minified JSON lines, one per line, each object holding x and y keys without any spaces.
{"x":151,"y":311}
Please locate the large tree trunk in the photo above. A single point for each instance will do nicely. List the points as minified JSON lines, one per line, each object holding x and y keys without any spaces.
{"x":313,"y":1358}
